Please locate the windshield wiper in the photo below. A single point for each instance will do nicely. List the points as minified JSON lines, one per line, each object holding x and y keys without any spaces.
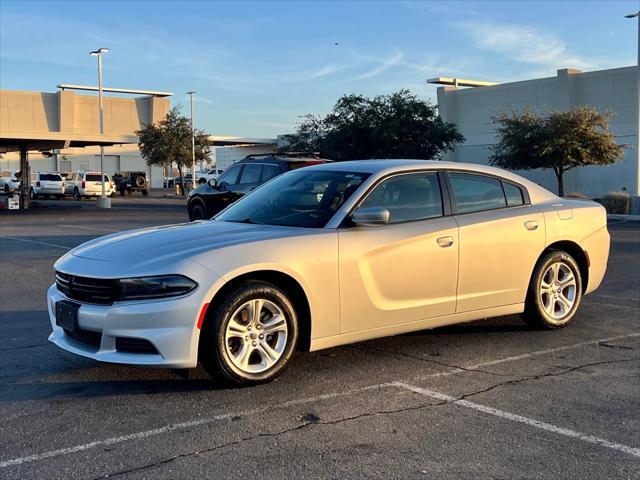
{"x":246,"y":220}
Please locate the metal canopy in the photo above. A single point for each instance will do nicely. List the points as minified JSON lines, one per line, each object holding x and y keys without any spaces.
{"x":153,"y":93}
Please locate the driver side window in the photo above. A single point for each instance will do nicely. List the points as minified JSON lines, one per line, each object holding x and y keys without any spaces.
{"x":230,"y":176}
{"x":408,"y":197}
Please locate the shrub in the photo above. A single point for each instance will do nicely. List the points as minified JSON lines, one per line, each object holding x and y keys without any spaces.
{"x":578,"y":196}
{"x":617,"y":202}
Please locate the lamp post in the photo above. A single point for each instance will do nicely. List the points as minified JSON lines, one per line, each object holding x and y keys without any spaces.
{"x":637,"y":15}
{"x":193,"y":143}
{"x":103,"y":201}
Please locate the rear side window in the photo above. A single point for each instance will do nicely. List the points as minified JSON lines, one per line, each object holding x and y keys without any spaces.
{"x":475,"y":193}
{"x":408,"y":197}
{"x":92,"y":177}
{"x":513,"y":194}
{"x":269,"y":172}
{"x":251,"y":173}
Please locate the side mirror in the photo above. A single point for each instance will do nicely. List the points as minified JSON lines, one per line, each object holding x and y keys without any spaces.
{"x":213,"y":183}
{"x":370,"y":217}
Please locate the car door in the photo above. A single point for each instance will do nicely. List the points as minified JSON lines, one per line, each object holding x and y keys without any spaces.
{"x":403,"y":271}
{"x":501,"y":237}
{"x":249,"y":179}
{"x":217,"y":199}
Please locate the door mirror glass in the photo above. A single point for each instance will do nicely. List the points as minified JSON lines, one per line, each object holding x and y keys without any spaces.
{"x":368,"y":217}
{"x":213,"y":183}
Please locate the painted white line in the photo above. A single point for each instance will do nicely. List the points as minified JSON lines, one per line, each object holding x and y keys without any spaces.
{"x":36,"y":242}
{"x":524,"y":356}
{"x":183,"y":425}
{"x":88,"y":228}
{"x":327,"y":396}
{"x":520,"y":419}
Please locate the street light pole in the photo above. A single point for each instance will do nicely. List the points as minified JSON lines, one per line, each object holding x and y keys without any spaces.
{"x":637,"y":15}
{"x":193,"y":143}
{"x":103,"y":201}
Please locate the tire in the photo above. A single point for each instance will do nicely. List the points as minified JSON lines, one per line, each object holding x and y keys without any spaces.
{"x":60,"y":197}
{"x":202,"y":181}
{"x":76,"y":194}
{"x":232,"y":346}
{"x":122,"y":190}
{"x":197,"y":211}
{"x":555,"y":291}
{"x":145,"y":192}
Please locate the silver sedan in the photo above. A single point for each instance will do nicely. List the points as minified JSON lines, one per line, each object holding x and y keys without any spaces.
{"x":329,"y":255}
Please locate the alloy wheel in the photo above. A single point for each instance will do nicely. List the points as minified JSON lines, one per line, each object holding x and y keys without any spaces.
{"x":557,"y":290}
{"x":256,"y":336}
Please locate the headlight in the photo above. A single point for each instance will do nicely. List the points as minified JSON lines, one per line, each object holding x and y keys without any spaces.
{"x":155,"y":287}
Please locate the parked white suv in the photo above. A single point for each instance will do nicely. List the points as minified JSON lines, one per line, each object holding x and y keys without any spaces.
{"x":204,"y":176}
{"x":45,"y":184}
{"x":9,"y":182}
{"x":87,"y":184}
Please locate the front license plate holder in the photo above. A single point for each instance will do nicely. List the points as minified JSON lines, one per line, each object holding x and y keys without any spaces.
{"x":67,"y":315}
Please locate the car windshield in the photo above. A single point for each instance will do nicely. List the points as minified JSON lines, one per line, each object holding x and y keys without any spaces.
{"x":296,"y":199}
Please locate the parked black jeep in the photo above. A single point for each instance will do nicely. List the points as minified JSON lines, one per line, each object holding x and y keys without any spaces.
{"x":131,"y":182}
{"x":241,"y":178}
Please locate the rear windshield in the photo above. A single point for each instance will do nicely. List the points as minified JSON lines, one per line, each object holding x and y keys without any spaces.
{"x":52,"y":177}
{"x":92,"y":177}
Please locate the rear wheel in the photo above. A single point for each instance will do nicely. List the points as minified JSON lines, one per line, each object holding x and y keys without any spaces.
{"x":251,"y":336}
{"x":555,"y":291}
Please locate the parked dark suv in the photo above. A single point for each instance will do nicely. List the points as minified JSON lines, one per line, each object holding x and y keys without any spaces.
{"x":131,"y":182}
{"x":241,"y":178}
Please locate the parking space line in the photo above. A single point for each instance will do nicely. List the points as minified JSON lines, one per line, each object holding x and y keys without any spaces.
{"x":184,"y":425}
{"x":520,"y":419}
{"x":88,"y":228}
{"x":302,"y":401}
{"x":36,"y":242}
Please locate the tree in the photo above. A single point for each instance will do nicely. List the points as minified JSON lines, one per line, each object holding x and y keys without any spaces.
{"x":388,"y":126}
{"x":170,"y":141}
{"x":561,"y":140}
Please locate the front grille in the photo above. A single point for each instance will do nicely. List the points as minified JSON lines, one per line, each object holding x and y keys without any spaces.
{"x":90,"y":290}
{"x":134,"y":345}
{"x":85,"y":336}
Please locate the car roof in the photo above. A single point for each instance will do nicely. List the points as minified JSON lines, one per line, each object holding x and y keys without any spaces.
{"x":282,"y":157}
{"x":384,"y":167}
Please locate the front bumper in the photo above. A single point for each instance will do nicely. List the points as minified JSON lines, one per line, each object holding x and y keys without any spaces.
{"x":169,"y":325}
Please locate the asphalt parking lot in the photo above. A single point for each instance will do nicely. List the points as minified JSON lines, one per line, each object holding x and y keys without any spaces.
{"x":489,"y":399}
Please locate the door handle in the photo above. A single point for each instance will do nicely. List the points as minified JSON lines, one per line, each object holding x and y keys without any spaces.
{"x":445,"y":241}
{"x":531,"y":225}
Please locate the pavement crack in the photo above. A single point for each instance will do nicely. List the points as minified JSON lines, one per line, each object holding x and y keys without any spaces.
{"x":429,"y":360}
{"x":302,"y":426}
{"x":610,"y":345}
{"x":539,"y":376}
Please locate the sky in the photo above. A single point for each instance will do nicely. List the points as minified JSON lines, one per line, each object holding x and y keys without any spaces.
{"x":258,"y":67}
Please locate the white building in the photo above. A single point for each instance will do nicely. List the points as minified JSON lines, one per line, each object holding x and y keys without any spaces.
{"x":614,"y":90}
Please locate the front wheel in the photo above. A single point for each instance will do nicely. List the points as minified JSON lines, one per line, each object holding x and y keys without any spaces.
{"x":197,"y":212}
{"x":555,"y":291}
{"x":251,"y":336}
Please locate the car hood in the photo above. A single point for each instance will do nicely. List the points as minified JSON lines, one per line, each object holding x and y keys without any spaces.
{"x":171,"y":243}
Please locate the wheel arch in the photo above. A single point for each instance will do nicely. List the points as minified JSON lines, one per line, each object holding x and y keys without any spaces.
{"x":578,"y":254}
{"x":297,"y":295}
